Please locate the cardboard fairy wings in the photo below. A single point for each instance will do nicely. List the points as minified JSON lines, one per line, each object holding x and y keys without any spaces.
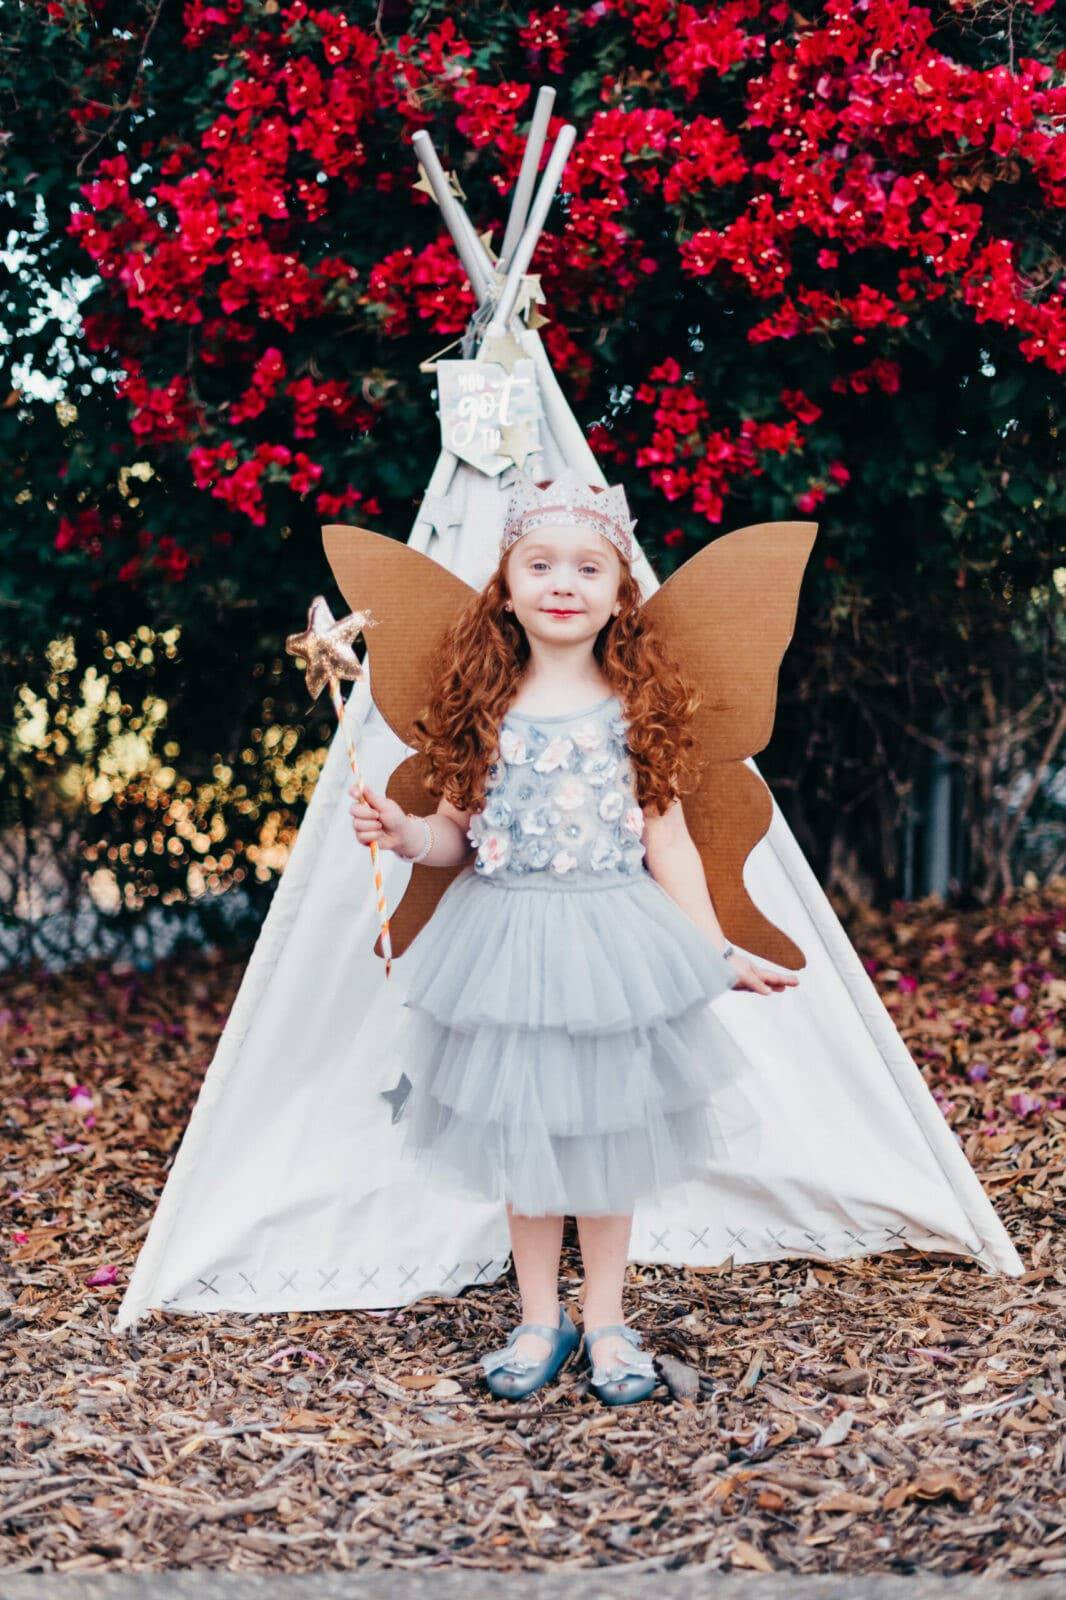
{"x":726,"y":616}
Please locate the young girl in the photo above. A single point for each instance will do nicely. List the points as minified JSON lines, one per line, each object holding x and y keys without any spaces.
{"x":568,"y":1057}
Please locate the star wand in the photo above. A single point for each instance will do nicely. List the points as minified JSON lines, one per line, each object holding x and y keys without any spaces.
{"x":325,"y":647}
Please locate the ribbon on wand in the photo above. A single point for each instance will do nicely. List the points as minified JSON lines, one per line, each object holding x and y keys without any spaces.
{"x":326,"y":649}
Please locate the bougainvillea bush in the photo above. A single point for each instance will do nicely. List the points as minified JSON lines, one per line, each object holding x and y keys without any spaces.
{"x":807,"y":263}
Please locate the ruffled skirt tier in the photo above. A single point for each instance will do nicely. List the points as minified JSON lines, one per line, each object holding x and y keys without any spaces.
{"x":565,"y":1057}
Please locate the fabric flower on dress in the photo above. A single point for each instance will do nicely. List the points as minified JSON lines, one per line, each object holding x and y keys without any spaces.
{"x":598,"y":770}
{"x":587,"y":736}
{"x":513,"y":749}
{"x":533,"y":820}
{"x":610,"y":807}
{"x":634,"y":821}
{"x":492,"y":852}
{"x":497,"y":813}
{"x":604,"y":854}
{"x":569,"y":794}
{"x":576,"y":832}
{"x":556,"y":754}
{"x":563,"y":803}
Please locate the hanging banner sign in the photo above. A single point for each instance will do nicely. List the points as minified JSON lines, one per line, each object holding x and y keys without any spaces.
{"x":489,"y":417}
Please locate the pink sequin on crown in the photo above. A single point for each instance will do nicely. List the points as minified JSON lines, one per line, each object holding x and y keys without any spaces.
{"x":568,"y":499}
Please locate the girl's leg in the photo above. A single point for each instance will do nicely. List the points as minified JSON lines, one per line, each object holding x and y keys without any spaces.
{"x":605,"y":1252}
{"x":536,"y":1245}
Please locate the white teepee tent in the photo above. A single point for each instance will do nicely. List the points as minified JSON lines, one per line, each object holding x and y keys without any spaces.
{"x":290,"y":1191}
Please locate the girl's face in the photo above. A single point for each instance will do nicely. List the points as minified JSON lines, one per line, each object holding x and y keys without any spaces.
{"x":563,"y":582}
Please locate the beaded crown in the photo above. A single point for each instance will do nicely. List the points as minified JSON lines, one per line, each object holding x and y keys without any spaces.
{"x":571,"y":499}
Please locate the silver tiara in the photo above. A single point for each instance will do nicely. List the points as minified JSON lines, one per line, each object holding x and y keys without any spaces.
{"x":570,"y":498}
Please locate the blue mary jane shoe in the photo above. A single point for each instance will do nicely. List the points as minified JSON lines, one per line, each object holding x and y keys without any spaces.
{"x":512,"y":1377}
{"x":620,"y":1382}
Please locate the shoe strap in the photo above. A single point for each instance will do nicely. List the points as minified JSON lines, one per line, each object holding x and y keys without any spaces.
{"x":592,"y":1334}
{"x":542,"y":1328}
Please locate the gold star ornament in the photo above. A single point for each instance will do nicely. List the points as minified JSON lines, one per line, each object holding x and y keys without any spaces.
{"x":325,"y":646}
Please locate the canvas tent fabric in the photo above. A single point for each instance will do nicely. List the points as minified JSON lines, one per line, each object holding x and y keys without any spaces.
{"x":289,"y":1190}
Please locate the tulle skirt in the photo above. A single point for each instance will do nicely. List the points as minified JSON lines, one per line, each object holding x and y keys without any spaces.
{"x":564,"y":1054}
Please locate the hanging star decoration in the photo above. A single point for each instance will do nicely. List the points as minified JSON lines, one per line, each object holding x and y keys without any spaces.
{"x":530,"y":296}
{"x":517,"y":441}
{"x":423,"y":186}
{"x":503,"y":348}
{"x":325,"y":646}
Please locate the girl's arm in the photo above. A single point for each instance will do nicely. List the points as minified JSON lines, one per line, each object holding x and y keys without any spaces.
{"x":376,"y":818}
{"x":674,"y":862}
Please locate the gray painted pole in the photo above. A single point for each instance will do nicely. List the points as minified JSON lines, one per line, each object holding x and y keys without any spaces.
{"x":452,"y":212}
{"x":527,"y":175}
{"x":537,"y":217}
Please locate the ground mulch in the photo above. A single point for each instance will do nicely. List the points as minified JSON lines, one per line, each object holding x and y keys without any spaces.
{"x":897,"y":1413}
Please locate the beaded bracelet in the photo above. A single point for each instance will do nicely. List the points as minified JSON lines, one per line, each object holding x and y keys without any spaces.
{"x":427,"y":847}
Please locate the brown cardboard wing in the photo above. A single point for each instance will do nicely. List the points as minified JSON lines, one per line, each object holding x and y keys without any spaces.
{"x":413,"y":601}
{"x":727,"y":617}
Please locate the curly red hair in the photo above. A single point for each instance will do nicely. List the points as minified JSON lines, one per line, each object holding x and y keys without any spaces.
{"x":482,"y":659}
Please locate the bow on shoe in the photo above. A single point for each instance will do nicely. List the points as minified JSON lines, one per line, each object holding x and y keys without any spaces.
{"x":507,"y":1360}
{"x":641,"y":1364}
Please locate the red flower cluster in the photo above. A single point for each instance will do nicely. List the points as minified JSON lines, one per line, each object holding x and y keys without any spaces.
{"x":545,"y":38}
{"x":240,"y":484}
{"x":269,"y":372}
{"x":86,"y":530}
{"x":486,"y":107}
{"x":852,"y":173}
{"x":814,"y":311}
{"x":335,"y":505}
{"x":430,"y":285}
{"x":879,"y":374}
{"x":165,"y":556}
{"x":687,"y":461}
{"x":158,"y":416}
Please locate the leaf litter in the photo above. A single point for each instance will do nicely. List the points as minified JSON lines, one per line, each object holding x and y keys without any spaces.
{"x":893,"y":1413}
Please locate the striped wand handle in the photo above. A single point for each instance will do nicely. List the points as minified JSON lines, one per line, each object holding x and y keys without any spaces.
{"x":375,"y":854}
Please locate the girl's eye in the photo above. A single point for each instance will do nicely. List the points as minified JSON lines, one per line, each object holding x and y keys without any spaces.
{"x":588,"y":567}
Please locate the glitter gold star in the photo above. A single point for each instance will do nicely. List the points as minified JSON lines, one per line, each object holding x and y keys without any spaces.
{"x":325,"y":646}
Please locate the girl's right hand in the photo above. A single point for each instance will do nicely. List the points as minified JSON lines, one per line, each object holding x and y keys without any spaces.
{"x":760,"y":980}
{"x":377,"y":819}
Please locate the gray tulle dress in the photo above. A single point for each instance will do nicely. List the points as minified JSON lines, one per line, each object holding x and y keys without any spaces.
{"x":565,"y":1055}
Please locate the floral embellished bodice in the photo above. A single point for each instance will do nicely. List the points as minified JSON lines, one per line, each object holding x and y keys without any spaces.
{"x":560,"y":803}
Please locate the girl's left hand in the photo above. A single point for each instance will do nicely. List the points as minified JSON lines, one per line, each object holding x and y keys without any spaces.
{"x":760,"y":980}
